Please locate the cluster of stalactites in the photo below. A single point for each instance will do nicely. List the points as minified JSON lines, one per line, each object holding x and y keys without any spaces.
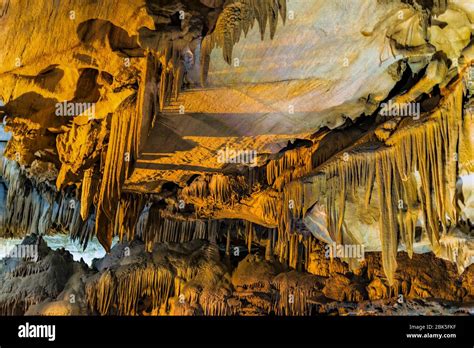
{"x":119,"y":293}
{"x":294,"y":294}
{"x":28,"y":208}
{"x":155,"y":226}
{"x":28,"y":269}
{"x":425,"y":149}
{"x":239,"y":17}
{"x":189,"y":277}
{"x":416,"y":166}
{"x":122,"y":150}
{"x":292,"y":248}
{"x":217,"y":189}
{"x":291,"y":166}
{"x":18,"y":304}
{"x":172,"y":75}
{"x":137,"y":216}
{"x":125,"y":122}
{"x":37,"y":208}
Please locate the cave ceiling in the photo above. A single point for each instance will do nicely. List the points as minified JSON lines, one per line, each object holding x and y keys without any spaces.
{"x":175,"y":120}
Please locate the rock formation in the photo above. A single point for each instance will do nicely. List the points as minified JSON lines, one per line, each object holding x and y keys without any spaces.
{"x":252,"y":157}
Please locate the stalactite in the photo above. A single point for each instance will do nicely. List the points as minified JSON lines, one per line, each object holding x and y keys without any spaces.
{"x":157,"y":226}
{"x":237,"y":17}
{"x":198,"y":188}
{"x":172,"y":73}
{"x":28,"y":204}
{"x":160,"y":278}
{"x":85,"y":233}
{"x":249,"y":231}
{"x":291,"y":166}
{"x":66,"y":213}
{"x":294,"y":293}
{"x":101,"y":293}
{"x":18,"y":304}
{"x":408,"y":214}
{"x":385,"y":177}
{"x":37,"y":208}
{"x":214,"y":304}
{"x":271,"y":207}
{"x":427,"y":148}
{"x":131,"y":216}
{"x":217,"y":189}
{"x":227,"y":244}
{"x":89,"y":187}
{"x":133,"y":284}
{"x":220,"y":188}
{"x":165,"y":84}
{"x":123,"y":138}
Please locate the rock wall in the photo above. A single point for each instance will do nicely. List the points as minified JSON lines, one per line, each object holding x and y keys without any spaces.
{"x":268,"y":125}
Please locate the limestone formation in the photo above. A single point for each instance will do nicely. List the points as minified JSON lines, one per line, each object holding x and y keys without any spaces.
{"x":238,"y":157}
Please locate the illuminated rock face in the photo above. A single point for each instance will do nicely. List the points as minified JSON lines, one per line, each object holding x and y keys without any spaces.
{"x":266,"y":125}
{"x":191,"y":278}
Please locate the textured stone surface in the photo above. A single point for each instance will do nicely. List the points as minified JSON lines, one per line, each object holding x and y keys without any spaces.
{"x":194,"y":279}
{"x":296,"y":93}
